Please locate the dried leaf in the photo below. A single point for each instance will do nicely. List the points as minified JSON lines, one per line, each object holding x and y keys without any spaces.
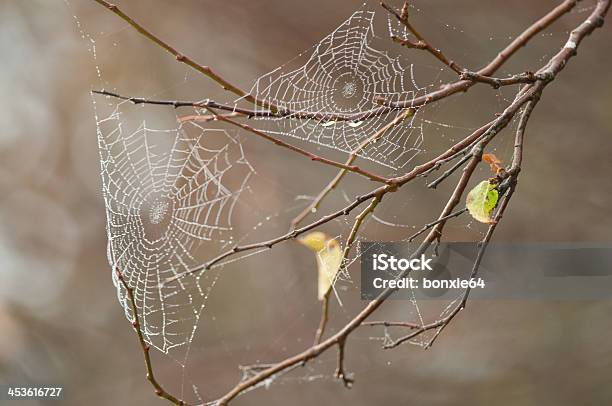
{"x":494,"y":163}
{"x":481,"y":201}
{"x":329,"y":258}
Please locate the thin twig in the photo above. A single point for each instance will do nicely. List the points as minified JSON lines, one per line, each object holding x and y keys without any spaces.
{"x":448,"y":172}
{"x":459,"y":150}
{"x":340,"y":372}
{"x":496,"y":83}
{"x":421,"y":42}
{"x":324,"y":318}
{"x":520,"y":137}
{"x":232,"y":108}
{"x":207,"y":118}
{"x":392,"y":324}
{"x":434,"y":223}
{"x":210,"y":106}
{"x":357,"y":225}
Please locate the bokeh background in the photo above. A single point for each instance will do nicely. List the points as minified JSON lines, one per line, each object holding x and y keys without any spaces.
{"x":60,"y":322}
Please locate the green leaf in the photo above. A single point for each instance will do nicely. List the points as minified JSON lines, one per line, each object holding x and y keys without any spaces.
{"x":481,"y":201}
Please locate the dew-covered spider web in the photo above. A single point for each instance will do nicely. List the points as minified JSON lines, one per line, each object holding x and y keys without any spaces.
{"x":336,"y":97}
{"x":167,"y":192}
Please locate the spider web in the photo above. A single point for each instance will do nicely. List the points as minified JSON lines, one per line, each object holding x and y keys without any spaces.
{"x":343,"y":77}
{"x":167,"y":192}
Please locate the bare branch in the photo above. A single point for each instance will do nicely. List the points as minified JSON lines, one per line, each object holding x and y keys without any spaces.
{"x":434,"y":223}
{"x":182,"y":103}
{"x":448,"y":172}
{"x":324,"y":318}
{"x":207,"y":118}
{"x":554,"y":66}
{"x":391,"y":324}
{"x":496,"y":83}
{"x":340,"y":372}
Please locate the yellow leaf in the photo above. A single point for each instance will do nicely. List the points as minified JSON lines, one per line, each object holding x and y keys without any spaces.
{"x":329,"y":258}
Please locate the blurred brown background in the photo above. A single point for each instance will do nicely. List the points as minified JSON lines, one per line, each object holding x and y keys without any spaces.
{"x":60,"y":322}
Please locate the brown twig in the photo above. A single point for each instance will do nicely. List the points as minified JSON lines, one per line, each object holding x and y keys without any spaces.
{"x":459,"y":150}
{"x":392,"y":324}
{"x":448,"y":172}
{"x":184,"y":103}
{"x":496,"y":83}
{"x":207,"y":118}
{"x":211,"y":106}
{"x":324,"y":318}
{"x":340,"y":372}
{"x":421,"y":42}
{"x":434,"y":223}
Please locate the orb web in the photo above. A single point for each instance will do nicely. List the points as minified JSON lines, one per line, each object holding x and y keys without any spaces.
{"x":332,"y":98}
{"x":168,"y":194}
